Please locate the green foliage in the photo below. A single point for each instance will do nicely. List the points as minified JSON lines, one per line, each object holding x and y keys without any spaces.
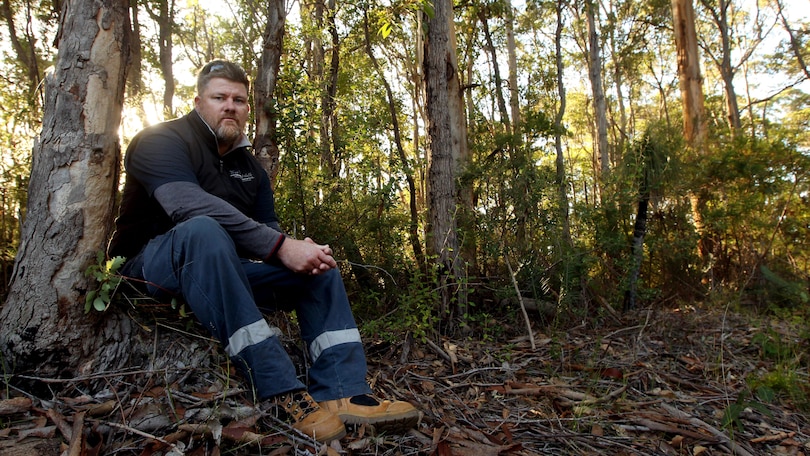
{"x":781,"y":292}
{"x":415,"y":313}
{"x":779,"y":378}
{"x":732,"y":414}
{"x":105,"y":273}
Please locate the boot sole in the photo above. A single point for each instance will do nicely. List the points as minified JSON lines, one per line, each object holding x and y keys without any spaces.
{"x":388,"y":424}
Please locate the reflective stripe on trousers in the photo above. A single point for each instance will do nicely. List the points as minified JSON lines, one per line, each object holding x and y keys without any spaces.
{"x":198,"y":260}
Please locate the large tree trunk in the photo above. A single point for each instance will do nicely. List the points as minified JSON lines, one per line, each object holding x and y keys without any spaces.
{"x":447,"y":145}
{"x":71,"y":199}
{"x":695,"y":126}
{"x":265,"y":143}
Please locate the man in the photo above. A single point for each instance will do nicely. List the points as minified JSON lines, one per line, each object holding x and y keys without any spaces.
{"x":198,"y":219}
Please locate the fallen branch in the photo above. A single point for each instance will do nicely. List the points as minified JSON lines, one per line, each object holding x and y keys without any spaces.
{"x":144,"y":434}
{"x":733,"y":446}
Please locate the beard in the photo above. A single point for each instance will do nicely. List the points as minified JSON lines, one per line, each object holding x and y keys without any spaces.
{"x":228,"y":134}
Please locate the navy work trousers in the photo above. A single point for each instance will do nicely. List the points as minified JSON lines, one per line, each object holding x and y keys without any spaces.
{"x":198,"y":260}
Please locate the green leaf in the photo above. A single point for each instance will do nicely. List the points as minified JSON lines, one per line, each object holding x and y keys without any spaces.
{"x":115,"y":263}
{"x":385,"y":30}
{"x":88,"y":301}
{"x":99,"y":304}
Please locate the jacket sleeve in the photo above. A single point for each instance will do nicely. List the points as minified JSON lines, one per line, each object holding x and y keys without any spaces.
{"x":184,"y":200}
{"x":265,"y":207}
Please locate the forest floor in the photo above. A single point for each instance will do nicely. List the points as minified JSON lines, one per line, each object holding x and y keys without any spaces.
{"x":684,"y":381}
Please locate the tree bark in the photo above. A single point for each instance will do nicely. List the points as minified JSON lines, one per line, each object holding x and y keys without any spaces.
{"x":25,"y":51}
{"x":447,"y":143}
{"x":265,"y":142}
{"x":691,"y":81}
{"x":720,"y":18}
{"x":561,"y":181}
{"x":599,"y":103}
{"x":695,"y":125}
{"x":514,"y":93}
{"x":71,"y":199}
{"x":165,"y":21}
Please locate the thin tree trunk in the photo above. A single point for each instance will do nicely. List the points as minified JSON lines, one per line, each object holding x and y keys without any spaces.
{"x":72,"y":192}
{"x":720,"y":17}
{"x":514,"y":93}
{"x":496,"y":71}
{"x":599,"y":103}
{"x":265,"y":143}
{"x":25,"y":51}
{"x":330,"y":139}
{"x":165,"y":21}
{"x":561,"y":180}
{"x":413,"y":226}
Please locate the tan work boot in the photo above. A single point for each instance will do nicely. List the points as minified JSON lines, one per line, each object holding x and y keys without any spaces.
{"x":304,"y":414}
{"x":385,"y":416}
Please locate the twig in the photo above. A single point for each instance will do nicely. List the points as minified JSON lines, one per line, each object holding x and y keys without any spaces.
{"x":146,"y":435}
{"x":735,"y":447}
{"x":520,"y":299}
{"x":97,"y":376}
{"x":439,"y":351}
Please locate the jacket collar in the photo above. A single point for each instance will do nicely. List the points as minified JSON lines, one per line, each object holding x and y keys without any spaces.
{"x":211,"y":138}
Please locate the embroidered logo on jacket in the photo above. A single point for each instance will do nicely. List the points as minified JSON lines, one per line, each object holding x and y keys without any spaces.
{"x":246,"y":176}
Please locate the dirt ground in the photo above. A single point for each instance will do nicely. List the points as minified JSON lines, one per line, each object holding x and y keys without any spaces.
{"x":686,"y":381}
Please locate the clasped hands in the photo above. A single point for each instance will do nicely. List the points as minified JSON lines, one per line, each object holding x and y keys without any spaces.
{"x":306,"y":256}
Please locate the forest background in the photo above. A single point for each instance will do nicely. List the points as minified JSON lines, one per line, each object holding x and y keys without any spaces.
{"x":578,"y":184}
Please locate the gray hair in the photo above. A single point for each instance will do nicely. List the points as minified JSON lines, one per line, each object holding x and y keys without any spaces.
{"x":221,"y":69}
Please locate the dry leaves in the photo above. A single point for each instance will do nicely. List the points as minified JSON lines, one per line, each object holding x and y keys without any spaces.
{"x":656,"y":388}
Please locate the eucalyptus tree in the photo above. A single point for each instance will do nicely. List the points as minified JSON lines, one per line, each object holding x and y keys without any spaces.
{"x":27,"y":33}
{"x":162,"y":13}
{"x":695,"y":126}
{"x":71,"y":199}
{"x":448,"y":152}
{"x":740,"y":33}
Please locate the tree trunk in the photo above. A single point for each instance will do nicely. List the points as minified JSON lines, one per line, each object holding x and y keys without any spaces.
{"x":265,"y":143}
{"x":720,"y":17}
{"x":165,"y":20}
{"x":691,"y":81}
{"x":71,"y":199}
{"x":695,"y":126}
{"x":413,"y":226}
{"x":561,"y":181}
{"x":599,"y":103}
{"x":447,"y":143}
{"x":514,"y":93}
{"x":483,"y":16}
{"x":330,"y":139}
{"x":25,"y":52}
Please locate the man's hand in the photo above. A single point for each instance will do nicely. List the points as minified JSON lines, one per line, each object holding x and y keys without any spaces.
{"x":306,"y":257}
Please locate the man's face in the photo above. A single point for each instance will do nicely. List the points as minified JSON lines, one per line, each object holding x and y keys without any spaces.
{"x":224,"y":107}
